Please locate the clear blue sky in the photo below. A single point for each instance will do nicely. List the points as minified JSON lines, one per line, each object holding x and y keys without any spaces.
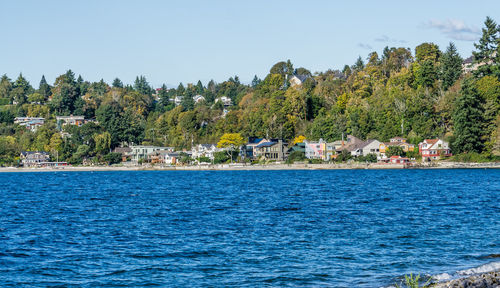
{"x":185,"y":41}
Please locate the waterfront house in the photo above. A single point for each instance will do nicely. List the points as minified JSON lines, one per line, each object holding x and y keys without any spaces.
{"x":33,"y":158}
{"x":204,"y":150}
{"x":371,"y":146}
{"x":31,"y":123}
{"x":271,"y":150}
{"x":433,"y":149}
{"x":298,"y":80}
{"x":141,"y":151}
{"x":396,"y":141}
{"x":398,"y":160}
{"x":124,"y":151}
{"x":315,"y":150}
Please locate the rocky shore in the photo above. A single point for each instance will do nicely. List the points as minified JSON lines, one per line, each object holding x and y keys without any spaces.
{"x":483,"y":280}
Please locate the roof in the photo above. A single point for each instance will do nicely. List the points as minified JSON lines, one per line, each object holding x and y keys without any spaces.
{"x":33,"y":152}
{"x":122,"y":150}
{"x":254,"y":140}
{"x":469,"y":60}
{"x":302,"y":78}
{"x":266,"y":144}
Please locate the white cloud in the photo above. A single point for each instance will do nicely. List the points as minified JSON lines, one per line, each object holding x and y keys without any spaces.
{"x":365,"y":46}
{"x":455,"y":29}
{"x":387,"y":39}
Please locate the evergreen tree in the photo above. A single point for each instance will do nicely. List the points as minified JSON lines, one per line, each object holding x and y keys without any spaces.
{"x":21,"y":89}
{"x":487,"y":50}
{"x":187,"y":101}
{"x":199,"y":87}
{"x":451,"y":66}
{"x":359,"y":65}
{"x":256,"y":81}
{"x":117,"y":83}
{"x":163,"y":94}
{"x":468,"y":120}
{"x":180,"y":89}
{"x":44,"y":88}
{"x":141,"y":85}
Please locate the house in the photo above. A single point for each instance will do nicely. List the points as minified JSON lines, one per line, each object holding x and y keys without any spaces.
{"x":198,"y":98}
{"x":124,"y":151}
{"x":315,"y":150}
{"x":271,"y":150}
{"x":204,"y":150}
{"x":34,"y":158}
{"x":69,"y":120}
{"x":248,"y":149}
{"x":399,"y":160}
{"x":396,"y":141}
{"x":226,"y":101}
{"x":364,"y":148}
{"x":170,"y":158}
{"x":433,"y":149}
{"x":142,"y":151}
{"x":298,"y":80}
{"x":31,"y":123}
{"x":177,"y":100}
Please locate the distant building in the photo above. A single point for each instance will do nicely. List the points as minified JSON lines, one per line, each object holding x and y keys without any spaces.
{"x":315,"y":150}
{"x":396,"y":141}
{"x":226,"y":101}
{"x":298,"y":80}
{"x":141,"y":151}
{"x":272,"y":150}
{"x":124,"y":151}
{"x":69,"y":120}
{"x":204,"y":150}
{"x":31,"y":123}
{"x":33,"y":158}
{"x":433,"y":149}
{"x":198,"y":98}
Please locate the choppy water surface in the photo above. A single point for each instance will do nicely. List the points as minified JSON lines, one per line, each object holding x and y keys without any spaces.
{"x":244,"y":228}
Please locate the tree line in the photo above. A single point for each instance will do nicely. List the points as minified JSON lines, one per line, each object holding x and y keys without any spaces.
{"x":417,"y":95}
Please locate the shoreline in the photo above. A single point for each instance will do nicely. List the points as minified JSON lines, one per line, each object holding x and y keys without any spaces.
{"x":243,"y":167}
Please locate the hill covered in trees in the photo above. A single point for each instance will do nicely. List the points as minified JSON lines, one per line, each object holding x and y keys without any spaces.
{"x":417,"y":95}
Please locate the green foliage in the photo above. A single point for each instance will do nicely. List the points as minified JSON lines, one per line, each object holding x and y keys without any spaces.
{"x":412,"y":282}
{"x":370,"y":158}
{"x":113,"y":158}
{"x":296,"y":156}
{"x":343,"y":156}
{"x":451,"y":66}
{"x":204,"y":160}
{"x":467,"y":119}
{"x":394,"y":151}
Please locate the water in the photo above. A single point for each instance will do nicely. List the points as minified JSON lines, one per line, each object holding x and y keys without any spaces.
{"x":359,"y":228}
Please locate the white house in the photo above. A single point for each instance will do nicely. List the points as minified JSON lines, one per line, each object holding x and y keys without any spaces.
{"x":365,"y":148}
{"x":198,"y":98}
{"x":204,"y":150}
{"x":226,"y":101}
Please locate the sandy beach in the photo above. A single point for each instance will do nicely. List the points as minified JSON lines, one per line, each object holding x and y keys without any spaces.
{"x":223,"y":167}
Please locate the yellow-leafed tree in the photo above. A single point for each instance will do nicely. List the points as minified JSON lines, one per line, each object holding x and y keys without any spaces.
{"x":230,"y":141}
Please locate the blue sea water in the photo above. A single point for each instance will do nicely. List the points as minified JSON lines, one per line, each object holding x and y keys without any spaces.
{"x":338,"y":228}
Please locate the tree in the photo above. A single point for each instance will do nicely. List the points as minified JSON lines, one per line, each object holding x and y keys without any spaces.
{"x":451,"y":66}
{"x":141,"y":85}
{"x":44,"y":88}
{"x":256,"y":81}
{"x":394,"y":151}
{"x":230,"y":141}
{"x":117,"y":83}
{"x":427,"y":51}
{"x":468,"y":120}
{"x":299,"y":139}
{"x":187,"y":102}
{"x":487,"y":53}
{"x":199,"y":87}
{"x":21,"y":89}
{"x":102,"y":143}
{"x":359,"y":65}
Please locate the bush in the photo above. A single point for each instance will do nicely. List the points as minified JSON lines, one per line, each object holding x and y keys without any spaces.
{"x":474,"y":158}
{"x":113,"y":158}
{"x":372,"y":158}
{"x":343,"y":156}
{"x":221,"y":157}
{"x":295,"y":156}
{"x":316,"y":161}
{"x":204,"y":160}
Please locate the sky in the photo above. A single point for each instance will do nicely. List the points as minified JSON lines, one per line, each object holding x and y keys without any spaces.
{"x":186,"y":41}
